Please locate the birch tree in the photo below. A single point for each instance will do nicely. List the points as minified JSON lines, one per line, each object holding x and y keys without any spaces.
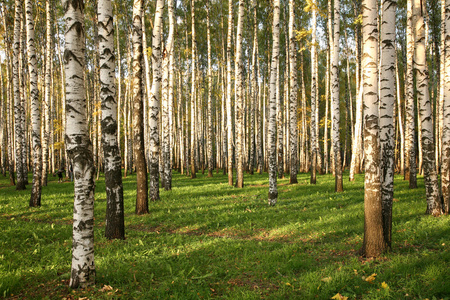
{"x":293,"y":143}
{"x":35,"y":199}
{"x":115,"y":228}
{"x":229,"y":92}
{"x":193,"y":93}
{"x":445,"y":177}
{"x":239,"y":100}
{"x":425,"y":112}
{"x":47,"y":96}
{"x":18,"y":132}
{"x":387,"y":102}
{"x":79,"y":147}
{"x":138,"y":114}
{"x":154,"y":102}
{"x":374,"y":243}
{"x":314,"y":100}
{"x":272,"y":130}
{"x":410,"y":151}
{"x":166,"y":95}
{"x":335,"y":112}
{"x":210,"y":108}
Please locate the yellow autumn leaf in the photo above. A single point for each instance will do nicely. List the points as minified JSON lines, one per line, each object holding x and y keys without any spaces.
{"x":339,"y":297}
{"x":371,"y":278}
{"x":326,"y":279}
{"x":288,"y":284}
{"x":384,"y":285}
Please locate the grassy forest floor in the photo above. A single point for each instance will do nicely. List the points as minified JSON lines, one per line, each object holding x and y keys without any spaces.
{"x":206,"y":239}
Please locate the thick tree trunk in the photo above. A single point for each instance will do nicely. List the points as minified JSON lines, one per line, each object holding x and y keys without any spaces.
{"x":115,"y":228}
{"x":79,"y":147}
{"x":426,"y":117}
{"x":374,"y":243}
{"x":387,"y":101}
{"x":35,"y":199}
{"x":272,"y":130}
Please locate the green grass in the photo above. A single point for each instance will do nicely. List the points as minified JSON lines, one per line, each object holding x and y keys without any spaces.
{"x":206,"y":239}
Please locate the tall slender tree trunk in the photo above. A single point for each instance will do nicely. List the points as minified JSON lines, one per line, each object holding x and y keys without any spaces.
{"x":18,"y":132}
{"x":314,"y":98}
{"x":239,"y":100}
{"x":293,"y":143}
{"x":272,"y":130}
{"x":79,"y":147}
{"x":425,"y":112}
{"x":35,"y":199}
{"x":166,"y":97}
{"x":445,"y":73}
{"x":335,"y":112}
{"x":155,"y":102}
{"x":374,"y":243}
{"x":193,"y":93}
{"x":115,"y":228}
{"x":387,"y":102}
{"x":138,"y":113}
{"x":229,"y":92}
{"x":410,"y":151}
{"x":210,"y":108}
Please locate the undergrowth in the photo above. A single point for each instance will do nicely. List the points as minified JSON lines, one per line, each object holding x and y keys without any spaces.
{"x":206,"y":239}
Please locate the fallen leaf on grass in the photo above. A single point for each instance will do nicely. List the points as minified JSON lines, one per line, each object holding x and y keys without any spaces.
{"x":326,"y":279}
{"x":339,"y":297}
{"x":106,"y":288}
{"x":384,"y":285}
{"x":370,"y":278}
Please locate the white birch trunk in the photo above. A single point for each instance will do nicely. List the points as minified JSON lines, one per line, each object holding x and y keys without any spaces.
{"x":18,"y":132}
{"x":239,"y":99}
{"x":335,"y":112}
{"x":79,"y":147}
{"x":272,"y":130}
{"x":387,"y":102}
{"x":314,"y":150}
{"x":426,"y":117}
{"x":115,"y":228}
{"x":35,"y":199}
{"x":373,"y":244}
{"x":410,"y":151}
{"x":155,"y":102}
{"x":445,"y":74}
{"x":293,"y":143}
{"x":229,"y":93}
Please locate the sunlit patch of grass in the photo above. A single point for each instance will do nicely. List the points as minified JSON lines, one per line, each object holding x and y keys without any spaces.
{"x":206,"y":239}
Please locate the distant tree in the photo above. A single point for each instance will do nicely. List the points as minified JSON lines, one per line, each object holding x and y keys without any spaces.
{"x":229,"y":92}
{"x":209,"y":104}
{"x":445,"y":177}
{"x":314,"y":96}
